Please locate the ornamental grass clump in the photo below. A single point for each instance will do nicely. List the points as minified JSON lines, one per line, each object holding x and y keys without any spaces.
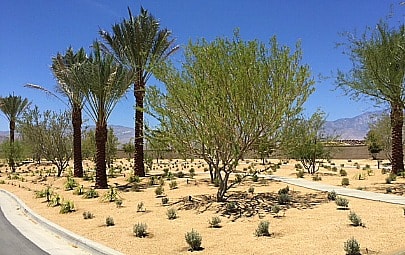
{"x":140,"y":230}
{"x":352,"y":247}
{"x":171,"y":213}
{"x":215,"y":222}
{"x":341,"y":202}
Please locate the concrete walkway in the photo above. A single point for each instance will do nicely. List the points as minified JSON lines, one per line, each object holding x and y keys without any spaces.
{"x":48,"y":236}
{"x":387,"y":198}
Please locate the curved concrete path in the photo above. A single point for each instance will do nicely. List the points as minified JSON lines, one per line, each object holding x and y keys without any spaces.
{"x":393,"y":199}
{"x":49,"y":237}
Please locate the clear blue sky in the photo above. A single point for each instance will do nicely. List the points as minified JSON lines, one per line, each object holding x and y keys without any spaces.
{"x":32,"y":32}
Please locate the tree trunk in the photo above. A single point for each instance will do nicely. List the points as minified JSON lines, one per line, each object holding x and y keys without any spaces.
{"x":397,"y":122}
{"x":77,"y":140}
{"x":101,"y":170}
{"x":139,"y":168}
{"x":12,"y":154}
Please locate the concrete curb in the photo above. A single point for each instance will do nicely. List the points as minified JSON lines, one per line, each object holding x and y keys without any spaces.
{"x":79,"y":241}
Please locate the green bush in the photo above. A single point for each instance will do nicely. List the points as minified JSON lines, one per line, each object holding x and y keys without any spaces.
{"x":283,"y":198}
{"x":300,"y":174}
{"x":70,"y":184}
{"x":118,"y":203}
{"x":109,"y":221}
{"x":231,"y":207}
{"x":171,"y":213}
{"x":284,"y":190}
{"x":111,"y":195}
{"x":275,"y":209}
{"x":263,"y":229}
{"x":78,"y":191}
{"x":342,"y":172}
{"x":140,"y":230}
{"x":173,"y":184}
{"x":179,"y":174}
{"x":352,"y":247}
{"x":134,"y":179}
{"x":55,"y":200}
{"x":91,"y":193}
{"x":345,"y":182}
{"x":332,"y":195}
{"x":191,"y":172}
{"x":334,"y":169}
{"x":316,"y":178}
{"x":355,"y":219}
{"x":165,"y":200}
{"x":159,"y":190}
{"x":194,"y":240}
{"x":255,"y":178}
{"x":342,"y":202}
{"x":67,"y":207}
{"x":2,"y":182}
{"x":251,"y":190}
{"x":215,"y":222}
{"x":87,"y":215}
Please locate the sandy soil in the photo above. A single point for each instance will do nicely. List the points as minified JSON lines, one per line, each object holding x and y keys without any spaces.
{"x":308,"y":225}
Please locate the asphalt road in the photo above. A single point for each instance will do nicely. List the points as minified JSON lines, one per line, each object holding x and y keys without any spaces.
{"x":12,"y":242}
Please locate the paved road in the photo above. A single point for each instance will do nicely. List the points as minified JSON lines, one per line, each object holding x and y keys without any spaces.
{"x":13,"y":242}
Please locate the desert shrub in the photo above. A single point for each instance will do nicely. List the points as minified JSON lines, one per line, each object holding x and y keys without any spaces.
{"x":70,"y":184}
{"x":173,"y":184}
{"x":165,"y":200}
{"x":140,"y":207}
{"x":91,"y":193}
{"x":191,"y":172}
{"x":136,"y":187}
{"x":298,"y":166}
{"x":275,"y":209}
{"x":171,"y":213}
{"x":352,"y":247}
{"x":263,"y":229}
{"x":140,"y":230}
{"x":118,"y":203}
{"x":47,"y":192}
{"x":67,"y":207}
{"x":215,"y":222}
{"x":55,"y":200}
{"x":333,"y":169}
{"x":251,"y":190}
{"x":231,"y":207}
{"x":355,"y":219}
{"x":283,"y":198}
{"x":255,"y":178}
{"x":388,"y":190}
{"x":134,"y":179}
{"x":78,"y":191}
{"x":109,"y":221}
{"x":332,"y":195}
{"x":111,"y":195}
{"x":300,"y":174}
{"x":342,"y":172}
{"x":238,"y":178}
{"x":284,"y":190}
{"x":87,"y":215}
{"x":179,"y":174}
{"x":345,"y":182}
{"x":152,"y":181}
{"x":159,"y":190}
{"x":165,"y":172}
{"x":316,"y":178}
{"x":341,"y":202}
{"x":392,"y":177}
{"x":193,"y":240}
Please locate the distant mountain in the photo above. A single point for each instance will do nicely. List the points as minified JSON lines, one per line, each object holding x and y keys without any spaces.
{"x":355,"y":128}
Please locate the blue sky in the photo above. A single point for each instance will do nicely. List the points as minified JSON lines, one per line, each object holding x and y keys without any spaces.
{"x":33,"y":31}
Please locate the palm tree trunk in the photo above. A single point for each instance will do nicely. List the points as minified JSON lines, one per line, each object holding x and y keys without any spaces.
{"x":77,"y":140}
{"x":101,"y":170}
{"x":11,"y":155}
{"x":139,"y":168}
{"x":397,"y":121}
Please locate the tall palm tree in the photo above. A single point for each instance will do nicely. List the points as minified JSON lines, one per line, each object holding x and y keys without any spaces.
{"x":67,"y":86}
{"x":139,"y":44}
{"x":12,"y":107}
{"x":103,"y":82}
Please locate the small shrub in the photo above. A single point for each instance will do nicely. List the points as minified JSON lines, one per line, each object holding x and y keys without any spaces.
{"x":193,"y":240}
{"x":275,"y":209}
{"x":334,"y":169}
{"x":284,"y":190}
{"x":109,"y":221}
{"x":238,"y":178}
{"x":388,"y":190}
{"x":2,"y":182}
{"x":255,"y":178}
{"x":118,"y":203}
{"x":88,"y":215}
{"x":134,"y":179}
{"x":231,"y":207}
{"x":263,"y":229}
{"x":283,"y":199}
{"x":173,"y":184}
{"x":91,"y":193}
{"x":355,"y":219}
{"x":342,"y":172}
{"x":140,"y":230}
{"x":179,"y":174}
{"x":345,"y":182}
{"x":298,"y":166}
{"x":55,"y":200}
{"x":70,"y":184}
{"x":392,"y":177}
{"x":165,"y":200}
{"x":300,"y":174}
{"x":332,"y":195}
{"x":111,"y":195}
{"x":352,"y":247}
{"x":215,"y":222}
{"x":192,"y":172}
{"x":78,"y":191}
{"x":342,"y":202}
{"x":251,"y":190}
{"x":67,"y":207}
{"x":171,"y":213}
{"x":316,"y":178}
{"x":140,"y":207}
{"x":159,"y":190}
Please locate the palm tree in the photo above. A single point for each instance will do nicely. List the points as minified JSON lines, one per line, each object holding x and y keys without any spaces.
{"x":103,"y":82}
{"x":12,"y":107}
{"x":67,"y":86}
{"x":139,"y":45}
